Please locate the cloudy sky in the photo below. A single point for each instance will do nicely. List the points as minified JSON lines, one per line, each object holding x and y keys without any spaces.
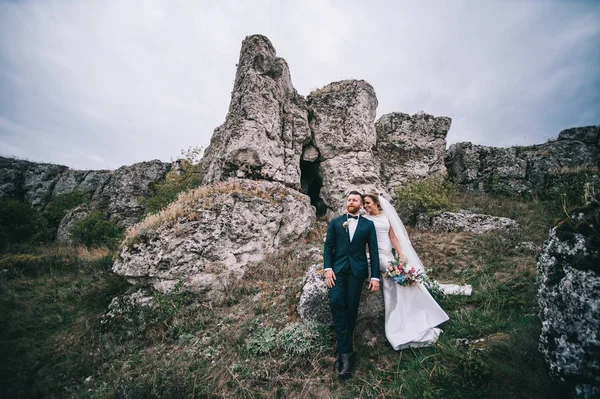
{"x":99,"y":84}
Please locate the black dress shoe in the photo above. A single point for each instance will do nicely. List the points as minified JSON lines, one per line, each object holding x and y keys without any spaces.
{"x":337,"y":365}
{"x":345,"y":369}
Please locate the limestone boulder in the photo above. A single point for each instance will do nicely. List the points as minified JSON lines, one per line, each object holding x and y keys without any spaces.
{"x":68,"y":181}
{"x":11,"y":176}
{"x":314,"y":301}
{"x":342,"y":122}
{"x":465,"y":221}
{"x":266,"y":127}
{"x":410,"y":147}
{"x":569,"y":300}
{"x":585,"y":134}
{"x":346,"y":172}
{"x":210,"y":235}
{"x":342,"y":118}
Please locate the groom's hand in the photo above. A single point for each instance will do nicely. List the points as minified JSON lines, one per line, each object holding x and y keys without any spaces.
{"x":329,"y":278}
{"x":373,"y":286}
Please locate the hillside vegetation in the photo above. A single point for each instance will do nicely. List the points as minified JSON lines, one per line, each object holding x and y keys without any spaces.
{"x":251,"y":343}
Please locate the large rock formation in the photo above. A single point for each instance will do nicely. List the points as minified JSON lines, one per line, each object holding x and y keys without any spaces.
{"x":342,"y":121}
{"x":410,"y":147}
{"x":266,"y":127}
{"x":324,"y":146}
{"x":30,"y":181}
{"x":522,"y":169}
{"x":116,"y":192}
{"x":569,"y":299}
{"x":209,"y":235}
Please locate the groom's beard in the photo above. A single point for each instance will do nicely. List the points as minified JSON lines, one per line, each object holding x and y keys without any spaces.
{"x":352,"y":209}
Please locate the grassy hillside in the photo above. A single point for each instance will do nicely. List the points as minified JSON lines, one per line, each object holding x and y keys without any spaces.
{"x":250,"y":342}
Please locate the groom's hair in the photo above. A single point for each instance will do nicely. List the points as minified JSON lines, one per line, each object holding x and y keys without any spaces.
{"x":354,"y":192}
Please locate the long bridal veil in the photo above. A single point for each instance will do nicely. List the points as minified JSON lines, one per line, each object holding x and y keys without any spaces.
{"x":400,"y":231}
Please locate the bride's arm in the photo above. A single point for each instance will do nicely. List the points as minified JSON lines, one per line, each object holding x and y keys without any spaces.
{"x":396,"y":244}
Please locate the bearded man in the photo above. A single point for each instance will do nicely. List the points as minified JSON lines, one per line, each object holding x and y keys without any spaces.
{"x":346,"y":268}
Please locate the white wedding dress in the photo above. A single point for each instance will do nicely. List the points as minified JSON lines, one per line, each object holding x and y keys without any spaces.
{"x":411,"y":313}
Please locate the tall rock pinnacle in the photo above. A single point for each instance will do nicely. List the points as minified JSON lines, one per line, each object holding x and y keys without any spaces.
{"x":266,"y":127}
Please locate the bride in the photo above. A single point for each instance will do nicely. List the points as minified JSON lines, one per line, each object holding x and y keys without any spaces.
{"x":411,"y":313}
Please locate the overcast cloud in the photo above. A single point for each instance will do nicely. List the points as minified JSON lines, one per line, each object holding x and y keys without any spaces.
{"x":100,"y":84}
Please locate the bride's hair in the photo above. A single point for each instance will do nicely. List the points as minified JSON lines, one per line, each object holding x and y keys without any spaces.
{"x":374,"y":197}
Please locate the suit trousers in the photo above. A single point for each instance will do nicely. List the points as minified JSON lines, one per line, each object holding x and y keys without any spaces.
{"x":344,"y":298}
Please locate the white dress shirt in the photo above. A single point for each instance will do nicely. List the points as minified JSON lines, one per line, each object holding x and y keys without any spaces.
{"x":352,"y":223}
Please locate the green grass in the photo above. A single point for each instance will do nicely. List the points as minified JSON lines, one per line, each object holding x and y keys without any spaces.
{"x":48,"y":321}
{"x":249,"y":343}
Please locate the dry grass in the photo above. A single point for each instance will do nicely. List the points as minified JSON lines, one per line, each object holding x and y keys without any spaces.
{"x":447,"y":255}
{"x":191,"y":203}
{"x":90,"y":254}
{"x":570,"y":170}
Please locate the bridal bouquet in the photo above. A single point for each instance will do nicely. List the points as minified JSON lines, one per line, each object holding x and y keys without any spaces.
{"x":404,"y":274}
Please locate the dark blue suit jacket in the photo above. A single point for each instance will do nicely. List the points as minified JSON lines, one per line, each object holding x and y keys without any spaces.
{"x":341,"y":254}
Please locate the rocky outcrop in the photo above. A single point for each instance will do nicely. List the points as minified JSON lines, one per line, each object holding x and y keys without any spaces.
{"x":209,"y":235}
{"x":465,"y":221}
{"x":266,"y":127}
{"x":314,"y":301}
{"x":121,"y":194}
{"x":569,"y":299}
{"x":323,"y":146}
{"x":522,"y":169}
{"x":410,"y":147}
{"x":30,"y":181}
{"x":90,"y":182}
{"x":342,"y":122}
{"x":116,"y":192}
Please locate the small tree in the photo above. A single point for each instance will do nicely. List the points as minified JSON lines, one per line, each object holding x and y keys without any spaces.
{"x":19,"y":224}
{"x":58,"y":207}
{"x":187,"y":174}
{"x":96,"y":230}
{"x":429,"y":195}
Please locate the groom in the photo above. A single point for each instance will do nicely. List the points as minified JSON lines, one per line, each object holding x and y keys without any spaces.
{"x":346,"y":268}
